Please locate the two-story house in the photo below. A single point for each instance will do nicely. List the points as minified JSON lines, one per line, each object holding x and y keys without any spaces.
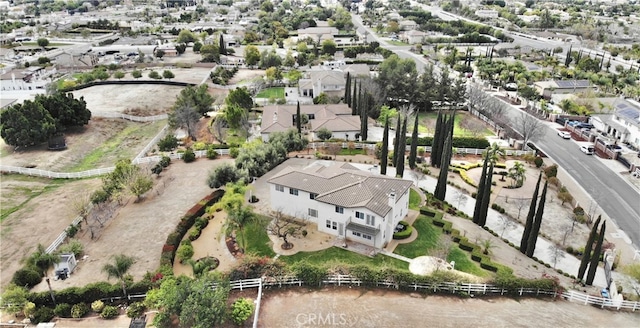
{"x":342,"y":200}
{"x":330,"y":82}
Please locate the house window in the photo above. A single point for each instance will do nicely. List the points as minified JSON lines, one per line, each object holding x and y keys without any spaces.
{"x":366,"y":236}
{"x":329,"y":224}
{"x":312,"y":196}
{"x":360,"y":215}
{"x":312,"y":116}
{"x":293,"y":191}
{"x":334,"y":225}
{"x":279,"y":188}
{"x":371,"y":220}
{"x":313,"y":212}
{"x":355,"y":233}
{"x":340,"y":209}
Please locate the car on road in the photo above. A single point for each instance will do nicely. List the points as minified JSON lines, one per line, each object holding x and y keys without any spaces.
{"x":564,"y":134}
{"x":511,"y":87}
{"x":587,"y":149}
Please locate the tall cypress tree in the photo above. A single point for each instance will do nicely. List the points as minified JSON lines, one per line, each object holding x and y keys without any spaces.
{"x":595,"y":258}
{"x":347,"y":90}
{"x":445,"y":157}
{"x":441,"y":186}
{"x":364,"y":115}
{"x":530,"y":217}
{"x":414,"y":144}
{"x":403,"y":146}
{"x":486,"y":197}
{"x":535,"y":228}
{"x":384,"y":152}
{"x":435,"y":143}
{"x":586,"y":256}
{"x":298,"y":120}
{"x":397,"y":139}
{"x":222,"y":47}
{"x":354,"y":99}
{"x":567,"y":59}
{"x":483,"y":176}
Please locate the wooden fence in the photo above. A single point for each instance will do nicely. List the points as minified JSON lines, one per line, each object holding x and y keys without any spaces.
{"x":443,"y":287}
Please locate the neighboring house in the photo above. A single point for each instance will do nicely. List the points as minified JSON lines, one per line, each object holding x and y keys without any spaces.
{"x":335,"y":118}
{"x":487,"y":13}
{"x":623,"y":125}
{"x":406,"y":25}
{"x":356,"y":70}
{"x":342,"y":200}
{"x":317,"y":33}
{"x":413,"y":36}
{"x":232,"y":60}
{"x":30,"y":78}
{"x":330,"y":82}
{"x":547,"y":88}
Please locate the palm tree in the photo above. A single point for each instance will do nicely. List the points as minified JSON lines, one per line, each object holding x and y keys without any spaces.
{"x":237,"y":219}
{"x":118,"y":269}
{"x":487,"y":245}
{"x":42,"y":260}
{"x":517,"y":173}
{"x":495,"y":153}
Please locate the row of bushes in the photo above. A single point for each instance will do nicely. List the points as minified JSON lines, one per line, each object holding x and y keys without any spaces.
{"x":88,"y":293}
{"x":458,"y":142}
{"x":498,"y":208}
{"x":404,"y":234}
{"x":187,"y":221}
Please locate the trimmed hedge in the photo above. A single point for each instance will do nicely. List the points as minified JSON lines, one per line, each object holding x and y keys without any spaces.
{"x":403,"y":234}
{"x":89,"y":293}
{"x":188,"y":220}
{"x":458,"y":142}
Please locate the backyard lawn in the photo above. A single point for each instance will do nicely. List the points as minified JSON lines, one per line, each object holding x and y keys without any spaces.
{"x":414,"y":200}
{"x":464,"y":262}
{"x":427,"y":124}
{"x":258,"y":242}
{"x":338,"y":255}
{"x":271,"y":93}
{"x":427,"y":239}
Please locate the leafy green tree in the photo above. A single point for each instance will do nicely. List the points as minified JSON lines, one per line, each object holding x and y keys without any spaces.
{"x":210,"y":53}
{"x":26,"y":124}
{"x":324,"y":134}
{"x":66,"y":110}
{"x":235,"y":115}
{"x":160,"y":53}
{"x":222,"y":46}
{"x":204,"y":306}
{"x":397,"y":78}
{"x":329,"y":47}
{"x":43,"y":42}
{"x":322,"y":98}
{"x":197,"y":46}
{"x":186,"y":36}
{"x":118,"y":269}
{"x":251,"y":55}
{"x":196,"y":97}
{"x":240,"y":97}
{"x":181,"y":48}
{"x":224,"y":174}
{"x":386,"y":114}
{"x":13,"y":299}
{"x":269,"y":58}
{"x":384,"y":153}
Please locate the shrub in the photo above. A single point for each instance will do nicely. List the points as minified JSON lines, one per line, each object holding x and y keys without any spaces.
{"x":62,"y":310}
{"x":26,"y":277}
{"x":97,"y":306}
{"x":74,"y":246}
{"x":109,"y":312}
{"x":188,"y":156}
{"x":551,"y":171}
{"x":185,"y":251}
{"x":578,"y":211}
{"x":234,"y":152}
{"x":165,"y":161}
{"x":406,"y":233}
{"x":43,"y":314}
{"x":241,"y":310}
{"x":135,"y":310}
{"x":79,"y":310}
{"x":211,"y":152}
{"x":72,"y":230}
{"x":194,"y":233}
{"x":538,"y":162}
{"x":168,"y":143}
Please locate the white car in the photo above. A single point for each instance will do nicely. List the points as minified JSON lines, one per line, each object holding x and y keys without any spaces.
{"x":564,"y":134}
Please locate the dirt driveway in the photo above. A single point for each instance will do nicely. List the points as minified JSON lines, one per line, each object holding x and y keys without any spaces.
{"x":345,"y":307}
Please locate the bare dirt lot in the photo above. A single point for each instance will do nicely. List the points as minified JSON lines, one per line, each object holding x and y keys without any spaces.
{"x":344,"y":307}
{"x":119,"y":98}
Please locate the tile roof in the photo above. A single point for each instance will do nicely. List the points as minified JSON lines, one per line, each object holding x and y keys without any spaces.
{"x":344,"y":185}
{"x":335,"y":117}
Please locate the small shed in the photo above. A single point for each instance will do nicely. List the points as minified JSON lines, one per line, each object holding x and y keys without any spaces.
{"x":65,"y":266}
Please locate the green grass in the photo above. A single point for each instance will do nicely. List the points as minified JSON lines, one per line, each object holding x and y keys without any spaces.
{"x":457,"y":129}
{"x":427,"y":239}
{"x":464,"y":262}
{"x":236,"y":138}
{"x":258,"y":241}
{"x":349,"y":152}
{"x":338,"y":255}
{"x":414,"y":200}
{"x":50,"y":45}
{"x":113,"y":147}
{"x":277,"y":92}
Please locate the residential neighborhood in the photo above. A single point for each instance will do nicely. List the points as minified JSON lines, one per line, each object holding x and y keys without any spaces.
{"x":177,"y":163}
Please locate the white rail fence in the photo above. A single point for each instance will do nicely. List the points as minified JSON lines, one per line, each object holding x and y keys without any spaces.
{"x":368,"y":146}
{"x":130,"y":117}
{"x":444,"y":287}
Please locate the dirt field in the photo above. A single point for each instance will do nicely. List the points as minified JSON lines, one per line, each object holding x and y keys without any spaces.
{"x":119,"y":98}
{"x":378,"y":308}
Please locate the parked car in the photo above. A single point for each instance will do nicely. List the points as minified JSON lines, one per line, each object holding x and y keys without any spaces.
{"x":511,"y":87}
{"x":564,"y":134}
{"x":615,"y":148}
{"x":587,"y":149}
